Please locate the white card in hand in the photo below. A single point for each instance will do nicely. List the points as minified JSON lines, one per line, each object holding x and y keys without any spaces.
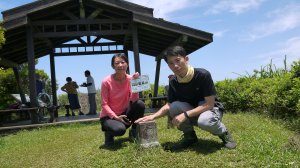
{"x":140,"y":84}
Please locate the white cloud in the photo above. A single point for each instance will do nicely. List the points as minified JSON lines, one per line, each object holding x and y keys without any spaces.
{"x":281,"y":20}
{"x":291,"y":49}
{"x":220,"y":33}
{"x":234,"y":6}
{"x":162,"y":8}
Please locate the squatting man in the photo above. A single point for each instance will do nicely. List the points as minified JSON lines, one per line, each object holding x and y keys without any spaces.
{"x":191,"y":101}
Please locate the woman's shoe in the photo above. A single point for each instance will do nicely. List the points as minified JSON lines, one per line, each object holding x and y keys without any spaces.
{"x":109,"y":139}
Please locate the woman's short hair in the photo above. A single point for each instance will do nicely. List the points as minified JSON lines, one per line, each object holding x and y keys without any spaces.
{"x":174,"y":51}
{"x":120,"y":55}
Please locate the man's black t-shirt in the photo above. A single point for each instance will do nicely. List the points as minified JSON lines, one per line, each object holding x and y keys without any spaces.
{"x":194,"y":91}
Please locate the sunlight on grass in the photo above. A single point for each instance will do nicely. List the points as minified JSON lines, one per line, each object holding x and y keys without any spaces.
{"x":262,"y":142}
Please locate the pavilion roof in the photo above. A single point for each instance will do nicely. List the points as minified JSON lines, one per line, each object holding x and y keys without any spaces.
{"x":154,"y":34}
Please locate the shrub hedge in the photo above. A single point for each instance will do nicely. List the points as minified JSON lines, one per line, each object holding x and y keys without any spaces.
{"x":273,"y":92}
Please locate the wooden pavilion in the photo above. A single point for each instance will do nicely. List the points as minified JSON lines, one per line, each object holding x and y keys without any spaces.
{"x":44,"y":27}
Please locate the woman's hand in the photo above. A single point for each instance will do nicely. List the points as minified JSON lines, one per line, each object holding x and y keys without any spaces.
{"x":136,"y":75}
{"x":123,"y":119}
{"x":145,"y":119}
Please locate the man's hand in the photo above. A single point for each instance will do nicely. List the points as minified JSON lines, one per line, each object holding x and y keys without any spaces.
{"x":178,"y":120}
{"x":145,"y":119}
{"x":83,"y":84}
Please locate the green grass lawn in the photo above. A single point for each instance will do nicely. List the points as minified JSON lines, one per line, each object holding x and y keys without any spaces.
{"x":262,"y":142}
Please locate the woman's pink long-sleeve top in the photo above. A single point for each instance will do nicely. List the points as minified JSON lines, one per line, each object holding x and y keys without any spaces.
{"x":115,"y":96}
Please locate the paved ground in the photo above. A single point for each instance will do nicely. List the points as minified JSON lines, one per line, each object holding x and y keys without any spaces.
{"x":60,"y":120}
{"x":18,"y":125}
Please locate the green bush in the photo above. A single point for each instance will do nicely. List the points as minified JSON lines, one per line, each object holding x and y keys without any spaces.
{"x":272,"y":91}
{"x":7,"y":87}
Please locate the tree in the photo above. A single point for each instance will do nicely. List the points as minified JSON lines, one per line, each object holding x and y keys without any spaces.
{"x":7,"y":87}
{"x":8,"y":84}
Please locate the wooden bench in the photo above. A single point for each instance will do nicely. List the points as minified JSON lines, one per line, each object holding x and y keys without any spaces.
{"x":31,"y":111}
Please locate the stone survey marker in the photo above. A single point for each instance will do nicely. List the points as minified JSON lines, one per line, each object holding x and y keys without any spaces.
{"x":147,"y":134}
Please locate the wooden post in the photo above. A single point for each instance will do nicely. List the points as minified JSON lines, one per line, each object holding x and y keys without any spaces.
{"x":136,"y":48}
{"x":157,"y":72}
{"x":126,"y":53}
{"x":31,"y":70}
{"x":53,"y":83}
{"x":135,"y":41}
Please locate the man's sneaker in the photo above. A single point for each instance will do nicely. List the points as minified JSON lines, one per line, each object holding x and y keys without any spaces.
{"x":189,"y":138}
{"x":228,"y":140}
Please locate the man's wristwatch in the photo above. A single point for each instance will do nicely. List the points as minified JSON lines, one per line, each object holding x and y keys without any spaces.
{"x":187,"y":116}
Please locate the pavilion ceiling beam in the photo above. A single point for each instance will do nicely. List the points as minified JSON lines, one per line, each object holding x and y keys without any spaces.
{"x":153,"y":39}
{"x":11,"y":50}
{"x":46,"y":40}
{"x":126,"y":37}
{"x":89,"y":53}
{"x":101,"y":12}
{"x":88,"y":39}
{"x":79,"y":21}
{"x":180,"y":41}
{"x":70,"y":15}
{"x":116,"y":13}
{"x":14,"y":33}
{"x":9,"y":42}
{"x":82,"y":9}
{"x":89,"y":49}
{"x":81,"y":27}
{"x":80,"y":40}
{"x":96,"y":40}
{"x":7,"y":63}
{"x":159,"y":32}
{"x":81,"y":33}
{"x":89,"y":45}
{"x":95,"y":13}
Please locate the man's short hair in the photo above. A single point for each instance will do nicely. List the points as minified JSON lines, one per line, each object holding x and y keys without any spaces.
{"x":87,"y":72}
{"x":174,"y":51}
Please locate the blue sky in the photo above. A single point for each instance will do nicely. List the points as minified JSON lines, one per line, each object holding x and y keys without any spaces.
{"x":247,"y":35}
